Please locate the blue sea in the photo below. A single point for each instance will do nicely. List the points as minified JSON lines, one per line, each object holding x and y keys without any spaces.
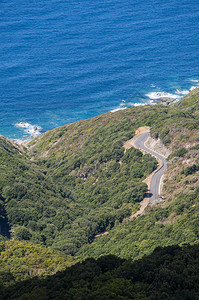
{"x":63,"y":61}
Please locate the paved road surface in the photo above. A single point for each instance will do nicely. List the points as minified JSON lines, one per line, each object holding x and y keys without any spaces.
{"x":155,"y":182}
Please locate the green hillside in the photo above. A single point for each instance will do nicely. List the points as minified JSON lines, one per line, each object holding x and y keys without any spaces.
{"x":169,"y":273}
{"x":21,"y":260}
{"x":75,"y":182}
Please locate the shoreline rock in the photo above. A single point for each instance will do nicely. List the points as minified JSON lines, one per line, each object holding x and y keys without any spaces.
{"x":165,"y":101}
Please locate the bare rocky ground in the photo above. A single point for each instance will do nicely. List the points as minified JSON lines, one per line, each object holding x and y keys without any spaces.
{"x":157,"y":146}
{"x":165,"y":101}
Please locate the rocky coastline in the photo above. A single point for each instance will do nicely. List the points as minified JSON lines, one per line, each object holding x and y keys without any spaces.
{"x":165,"y":101}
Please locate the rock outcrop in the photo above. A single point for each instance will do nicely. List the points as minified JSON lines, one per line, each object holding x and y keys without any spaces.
{"x":157,"y":146}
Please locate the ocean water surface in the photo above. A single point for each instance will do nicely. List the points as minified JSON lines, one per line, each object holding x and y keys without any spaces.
{"x":63,"y":61}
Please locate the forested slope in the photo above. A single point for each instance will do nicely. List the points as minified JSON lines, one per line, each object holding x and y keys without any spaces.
{"x":76,"y":181}
{"x":169,"y":273}
{"x":21,"y":260}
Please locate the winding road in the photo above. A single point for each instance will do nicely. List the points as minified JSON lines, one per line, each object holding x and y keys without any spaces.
{"x":156,"y":179}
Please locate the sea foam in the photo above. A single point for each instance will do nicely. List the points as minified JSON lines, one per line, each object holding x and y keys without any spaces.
{"x":32,"y":130}
{"x":182,"y":92}
{"x":193,"y":88}
{"x":139,"y":104}
{"x":177,"y":95}
{"x":123,"y":105}
{"x":117,"y":109}
{"x":159,"y":95}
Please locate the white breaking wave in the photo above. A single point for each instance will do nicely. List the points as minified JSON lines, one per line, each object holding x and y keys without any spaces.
{"x":159,"y":95}
{"x":193,"y":88}
{"x":194,"y":80}
{"x":22,"y":124}
{"x":139,"y":104}
{"x":176,"y":96}
{"x":182,"y":92}
{"x":125,"y":105}
{"x":32,"y":130}
{"x":119,"y":108}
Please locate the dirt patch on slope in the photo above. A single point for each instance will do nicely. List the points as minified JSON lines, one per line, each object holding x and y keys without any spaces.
{"x":129,"y":144}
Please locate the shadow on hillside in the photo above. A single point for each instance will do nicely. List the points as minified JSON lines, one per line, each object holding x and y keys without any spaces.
{"x":4,"y":226}
{"x":110,"y":277}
